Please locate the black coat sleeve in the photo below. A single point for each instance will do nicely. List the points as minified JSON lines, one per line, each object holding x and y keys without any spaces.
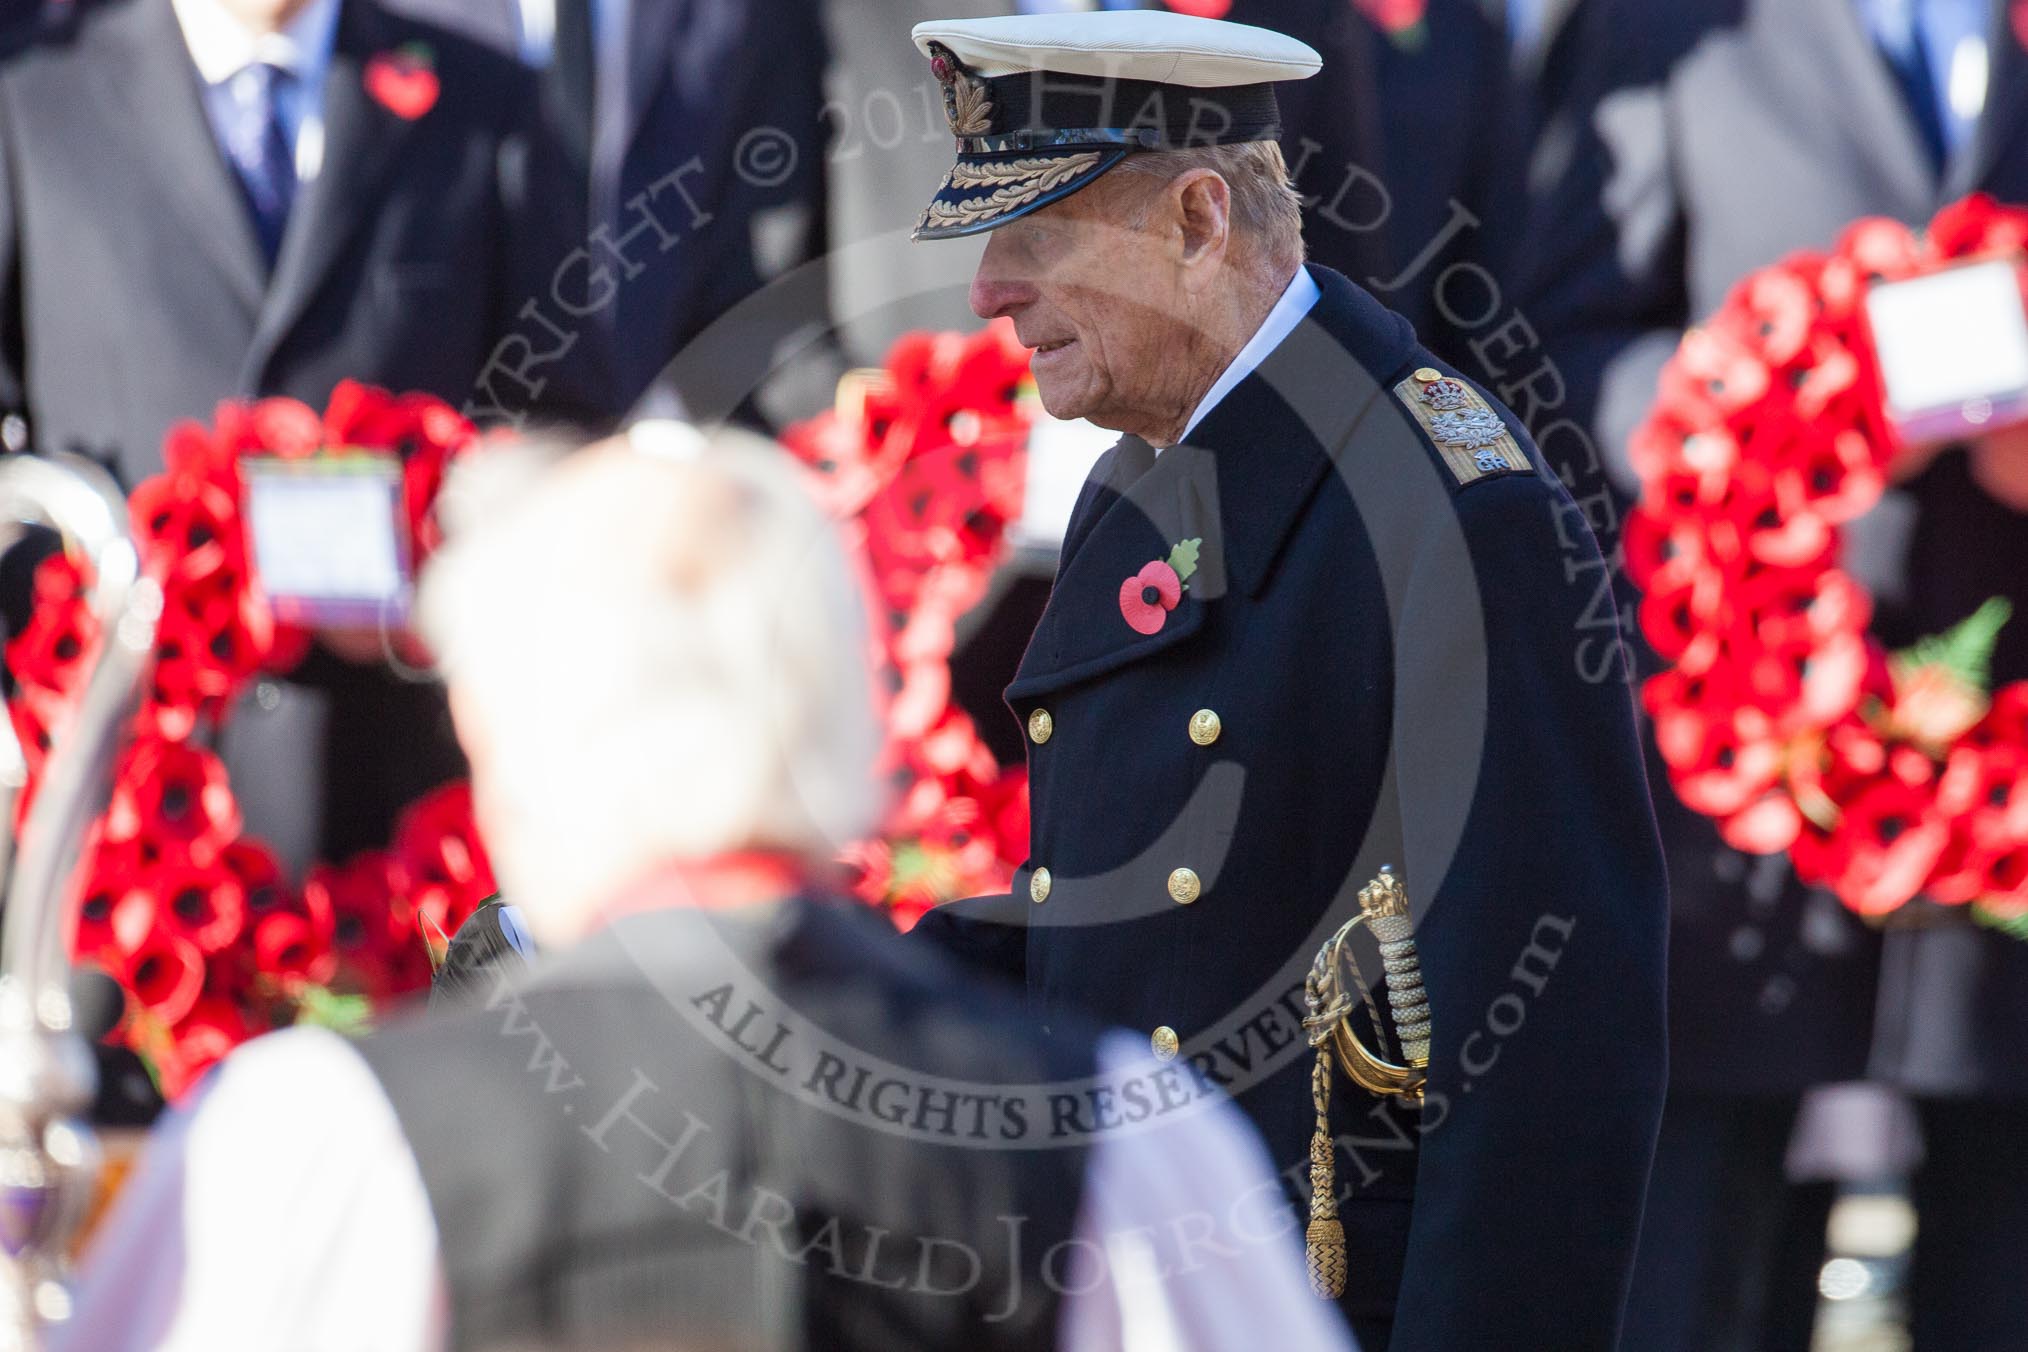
{"x":1602,"y":272}
{"x":1542,"y":940}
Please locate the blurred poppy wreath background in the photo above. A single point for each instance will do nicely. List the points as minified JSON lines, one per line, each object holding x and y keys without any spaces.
{"x":1884,"y":775}
{"x":922,"y":462}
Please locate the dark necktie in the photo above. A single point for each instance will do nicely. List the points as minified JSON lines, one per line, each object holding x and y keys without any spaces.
{"x":573,"y":82}
{"x":1915,"y":73}
{"x":261,"y":155}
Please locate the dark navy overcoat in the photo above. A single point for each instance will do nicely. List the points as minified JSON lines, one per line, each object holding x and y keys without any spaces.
{"x":1385,"y":654}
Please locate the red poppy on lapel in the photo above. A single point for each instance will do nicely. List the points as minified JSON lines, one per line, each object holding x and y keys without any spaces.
{"x":1148,"y":596}
{"x":1201,"y":9}
{"x":1401,"y":20}
{"x":404,"y":80}
{"x":2017,"y":15}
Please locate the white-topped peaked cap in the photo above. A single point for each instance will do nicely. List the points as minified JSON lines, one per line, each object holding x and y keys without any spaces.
{"x":1043,"y":104}
{"x":1145,"y":44}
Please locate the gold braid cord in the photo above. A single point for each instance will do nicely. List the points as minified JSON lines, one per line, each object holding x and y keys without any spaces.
{"x":1040,"y":172}
{"x":1324,"y":1241}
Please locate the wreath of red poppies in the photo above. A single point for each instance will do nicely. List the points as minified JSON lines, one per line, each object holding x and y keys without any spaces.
{"x":196,"y":919}
{"x":1885,"y":776}
{"x":923,"y":461}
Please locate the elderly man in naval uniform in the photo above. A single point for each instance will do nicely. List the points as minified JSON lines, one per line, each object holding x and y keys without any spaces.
{"x":1319,"y":612}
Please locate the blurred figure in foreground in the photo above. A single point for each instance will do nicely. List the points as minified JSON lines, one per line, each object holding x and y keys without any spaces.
{"x":723,"y":1110}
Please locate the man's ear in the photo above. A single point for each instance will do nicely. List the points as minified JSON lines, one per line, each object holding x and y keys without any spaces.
{"x":1201,"y":204}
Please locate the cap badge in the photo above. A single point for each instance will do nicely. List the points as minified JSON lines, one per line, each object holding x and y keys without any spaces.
{"x":968,"y":106}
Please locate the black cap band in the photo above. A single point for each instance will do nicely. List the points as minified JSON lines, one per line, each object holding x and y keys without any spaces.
{"x":1047,"y":108}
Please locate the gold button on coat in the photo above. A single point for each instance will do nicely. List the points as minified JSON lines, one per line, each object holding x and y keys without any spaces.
{"x":1205,"y":727}
{"x":1038,"y":886}
{"x":1165,"y":1043}
{"x":1040,"y":726}
{"x":1184,"y":887}
{"x":1428,"y":375}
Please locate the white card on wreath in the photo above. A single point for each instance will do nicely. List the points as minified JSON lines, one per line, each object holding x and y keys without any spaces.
{"x":326,"y":538}
{"x":1953,"y":350}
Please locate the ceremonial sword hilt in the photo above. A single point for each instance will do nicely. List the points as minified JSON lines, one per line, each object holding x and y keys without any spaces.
{"x":1383,"y":909}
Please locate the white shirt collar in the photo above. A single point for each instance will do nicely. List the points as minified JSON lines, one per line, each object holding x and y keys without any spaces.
{"x":222,"y":47}
{"x":1297,"y":297}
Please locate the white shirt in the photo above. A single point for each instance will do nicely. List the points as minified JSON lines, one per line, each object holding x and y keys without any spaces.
{"x":283,"y":1209}
{"x":1296,"y":300}
{"x":608,"y":26}
{"x":224,"y":50}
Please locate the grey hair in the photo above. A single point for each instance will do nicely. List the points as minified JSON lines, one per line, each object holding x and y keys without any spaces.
{"x":1266,"y":211}
{"x":667,"y":655}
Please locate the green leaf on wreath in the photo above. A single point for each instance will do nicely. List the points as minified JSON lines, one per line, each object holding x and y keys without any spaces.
{"x":1965,"y":650}
{"x":1183,"y":558}
{"x":2013,"y":924}
{"x":322,"y":1007}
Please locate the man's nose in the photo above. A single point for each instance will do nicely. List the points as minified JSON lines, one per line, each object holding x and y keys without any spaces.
{"x":997,"y":287}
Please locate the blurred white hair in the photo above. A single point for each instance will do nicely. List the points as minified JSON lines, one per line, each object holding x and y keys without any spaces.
{"x":652,"y":657}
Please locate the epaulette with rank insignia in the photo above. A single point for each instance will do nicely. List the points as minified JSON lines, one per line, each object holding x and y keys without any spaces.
{"x":1473,"y":440}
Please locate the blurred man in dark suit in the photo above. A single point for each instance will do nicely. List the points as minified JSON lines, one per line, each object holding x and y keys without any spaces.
{"x":1717,"y":137}
{"x":1419,"y":158}
{"x":215,"y":199}
{"x":695,"y":135}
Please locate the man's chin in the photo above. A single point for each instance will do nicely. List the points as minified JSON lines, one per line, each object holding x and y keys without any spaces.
{"x":1065,"y":399}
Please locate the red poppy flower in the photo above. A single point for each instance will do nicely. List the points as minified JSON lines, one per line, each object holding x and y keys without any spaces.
{"x":2006,"y":720}
{"x":440,"y":869}
{"x":200,"y":1040}
{"x":372,"y":930}
{"x":175,"y":793}
{"x":919,"y":700}
{"x":1722,"y":763}
{"x":115,"y":910}
{"x":1393,"y":16}
{"x":1888,"y":838}
{"x":1712,"y":376}
{"x":1773,"y":311}
{"x":357,"y":414}
{"x":1767,"y":825}
{"x":1148,"y":596}
{"x":403,"y":82}
{"x":188,"y":528}
{"x":2004,"y":888}
{"x":1835,"y":477}
{"x":293,"y":948}
{"x":206,"y":905}
{"x":53,"y":651}
{"x":1882,"y":247}
{"x":287,"y":428}
{"x":191,"y":451}
{"x":164,"y":973}
{"x":1979,"y":224}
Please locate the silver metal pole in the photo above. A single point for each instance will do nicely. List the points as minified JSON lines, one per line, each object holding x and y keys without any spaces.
{"x":48,"y":1158}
